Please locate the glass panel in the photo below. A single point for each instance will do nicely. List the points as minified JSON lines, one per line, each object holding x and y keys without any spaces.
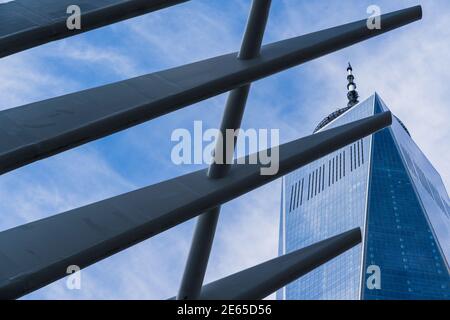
{"x":399,"y":239}
{"x":339,"y":207}
{"x":428,"y":185}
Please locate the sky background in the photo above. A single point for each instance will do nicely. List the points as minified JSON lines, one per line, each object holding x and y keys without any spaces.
{"x":407,"y":67}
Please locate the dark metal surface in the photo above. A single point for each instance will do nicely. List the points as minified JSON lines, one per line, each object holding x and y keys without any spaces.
{"x":198,"y":257}
{"x":25,"y":24}
{"x":37,"y":253}
{"x":262,"y":280}
{"x":41,"y":129}
{"x":254,"y":32}
{"x":205,"y":229}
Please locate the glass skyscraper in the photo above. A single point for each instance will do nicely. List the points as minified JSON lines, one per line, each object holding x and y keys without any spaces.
{"x":385,"y":185}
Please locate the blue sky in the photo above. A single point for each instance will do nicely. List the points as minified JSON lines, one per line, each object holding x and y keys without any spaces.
{"x":407,"y":67}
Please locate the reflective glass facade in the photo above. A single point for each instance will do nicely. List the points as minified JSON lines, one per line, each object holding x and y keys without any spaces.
{"x":371,"y":185}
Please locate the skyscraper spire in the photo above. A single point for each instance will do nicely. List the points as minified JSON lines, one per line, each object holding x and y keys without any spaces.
{"x":352,"y":94}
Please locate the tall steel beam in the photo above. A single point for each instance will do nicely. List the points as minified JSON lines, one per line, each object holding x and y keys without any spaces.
{"x":25,"y":24}
{"x":205,"y":229}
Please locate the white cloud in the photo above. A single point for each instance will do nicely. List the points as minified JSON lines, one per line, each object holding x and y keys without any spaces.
{"x":25,"y":78}
{"x":101,"y":58}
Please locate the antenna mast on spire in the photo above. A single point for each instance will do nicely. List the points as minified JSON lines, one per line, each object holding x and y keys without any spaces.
{"x":352,"y":94}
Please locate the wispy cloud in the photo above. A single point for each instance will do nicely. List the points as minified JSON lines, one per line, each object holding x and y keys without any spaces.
{"x":99,"y":57}
{"x":25,"y":78}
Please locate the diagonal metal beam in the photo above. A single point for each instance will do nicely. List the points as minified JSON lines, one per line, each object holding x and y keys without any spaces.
{"x":25,"y":24}
{"x":38,"y":253}
{"x":262,"y":280}
{"x":45,"y":128}
{"x":202,"y":240}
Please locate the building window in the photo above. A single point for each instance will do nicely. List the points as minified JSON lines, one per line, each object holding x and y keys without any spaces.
{"x":316,"y":183}
{"x":337,"y":168}
{"x":298,"y":194}
{"x":332,"y":173}
{"x":292,"y":195}
{"x":362,"y":150}
{"x":309,"y":185}
{"x":344,"y":163}
{"x":323,"y":177}
{"x":351,"y":162}
{"x":359,"y":153}
{"x":295,"y":193}
{"x":301,"y":192}
{"x":320,"y":177}
{"x":329,"y":172}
